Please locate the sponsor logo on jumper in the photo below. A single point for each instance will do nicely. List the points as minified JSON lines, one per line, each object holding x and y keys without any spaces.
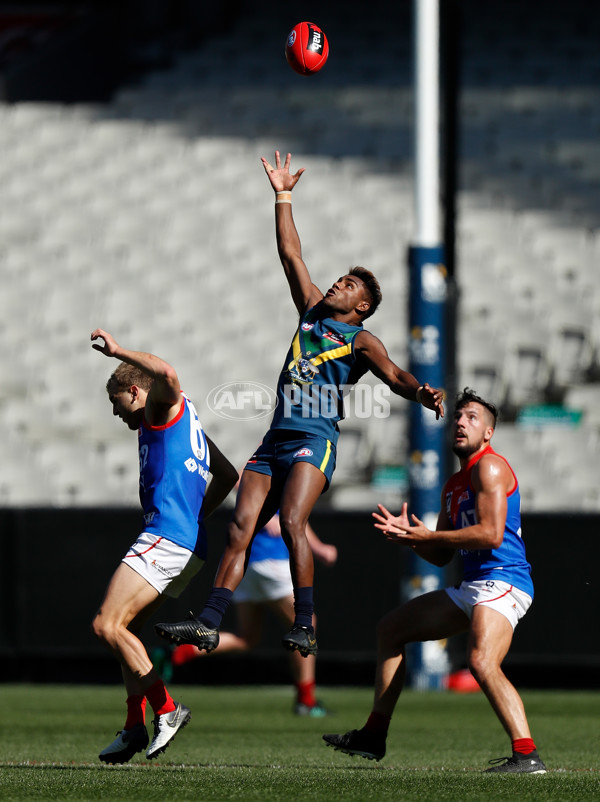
{"x":245,"y":400}
{"x":194,"y":466}
{"x":334,"y":338}
{"x":463,"y":497}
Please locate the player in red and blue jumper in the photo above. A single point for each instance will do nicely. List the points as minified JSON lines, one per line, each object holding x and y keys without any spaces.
{"x":175,"y":458}
{"x":481,"y":518}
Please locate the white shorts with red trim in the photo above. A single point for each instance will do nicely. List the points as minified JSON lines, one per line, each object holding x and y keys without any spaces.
{"x":501,"y":596}
{"x":265,"y":580}
{"x":163,"y":564}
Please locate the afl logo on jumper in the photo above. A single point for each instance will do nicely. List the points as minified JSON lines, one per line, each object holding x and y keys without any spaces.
{"x":307,"y":326}
{"x":303,"y":452}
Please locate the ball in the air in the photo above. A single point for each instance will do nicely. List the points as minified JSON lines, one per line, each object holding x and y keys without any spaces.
{"x":307,"y":48}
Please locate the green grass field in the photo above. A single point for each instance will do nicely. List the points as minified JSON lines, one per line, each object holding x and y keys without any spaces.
{"x":244,"y":743}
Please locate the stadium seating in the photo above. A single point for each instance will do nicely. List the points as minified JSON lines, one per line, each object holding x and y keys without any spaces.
{"x":150,"y":216}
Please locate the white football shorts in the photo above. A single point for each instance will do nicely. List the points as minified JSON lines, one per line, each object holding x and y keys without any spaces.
{"x":501,"y":596}
{"x":163,"y":564}
{"x":265,"y":580}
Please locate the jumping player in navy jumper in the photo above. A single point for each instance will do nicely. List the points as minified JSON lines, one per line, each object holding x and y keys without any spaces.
{"x":175,"y":460}
{"x":481,"y":517}
{"x":294,"y":464}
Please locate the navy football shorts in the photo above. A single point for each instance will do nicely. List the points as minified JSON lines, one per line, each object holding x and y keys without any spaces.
{"x":282,"y":448}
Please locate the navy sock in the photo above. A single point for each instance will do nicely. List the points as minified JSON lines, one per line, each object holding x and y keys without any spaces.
{"x":303,"y":607}
{"x":216,"y":607}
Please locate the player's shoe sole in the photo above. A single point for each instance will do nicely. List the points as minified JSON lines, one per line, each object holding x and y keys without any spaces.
{"x":126,"y":745}
{"x":166,"y":728}
{"x":189,"y":631}
{"x":358,"y":742}
{"x":300,"y":639}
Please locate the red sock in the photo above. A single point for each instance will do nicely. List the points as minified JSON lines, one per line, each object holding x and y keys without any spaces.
{"x":184,"y":653}
{"x":523,"y":746}
{"x":306,"y":693}
{"x":160,"y":699}
{"x":378,"y":722}
{"x":136,"y":711}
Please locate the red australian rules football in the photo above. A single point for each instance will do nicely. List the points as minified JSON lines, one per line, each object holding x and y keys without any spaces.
{"x":307,"y":48}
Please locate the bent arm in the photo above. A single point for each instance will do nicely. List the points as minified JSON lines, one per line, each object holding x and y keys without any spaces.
{"x":224,"y":477}
{"x":165,"y":390}
{"x":441,"y":554}
{"x":492,"y":480}
{"x":375,"y":356}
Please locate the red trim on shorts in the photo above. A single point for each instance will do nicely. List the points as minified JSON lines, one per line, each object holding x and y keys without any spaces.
{"x":139,"y":554}
{"x":502,"y":595}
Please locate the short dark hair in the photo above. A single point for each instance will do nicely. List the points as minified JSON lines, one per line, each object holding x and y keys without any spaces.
{"x":467,"y":396}
{"x":372,"y":285}
{"x":125,"y":376}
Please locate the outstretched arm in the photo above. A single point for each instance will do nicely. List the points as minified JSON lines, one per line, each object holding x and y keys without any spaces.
{"x":224,"y":477}
{"x":304,"y":293}
{"x":372,"y":350}
{"x":165,"y":391}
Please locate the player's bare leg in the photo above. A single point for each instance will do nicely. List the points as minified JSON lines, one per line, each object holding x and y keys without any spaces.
{"x":255,"y":505}
{"x":128,"y":594}
{"x":303,"y":486}
{"x":128,"y":601}
{"x":490,"y":637}
{"x":431,"y":616}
